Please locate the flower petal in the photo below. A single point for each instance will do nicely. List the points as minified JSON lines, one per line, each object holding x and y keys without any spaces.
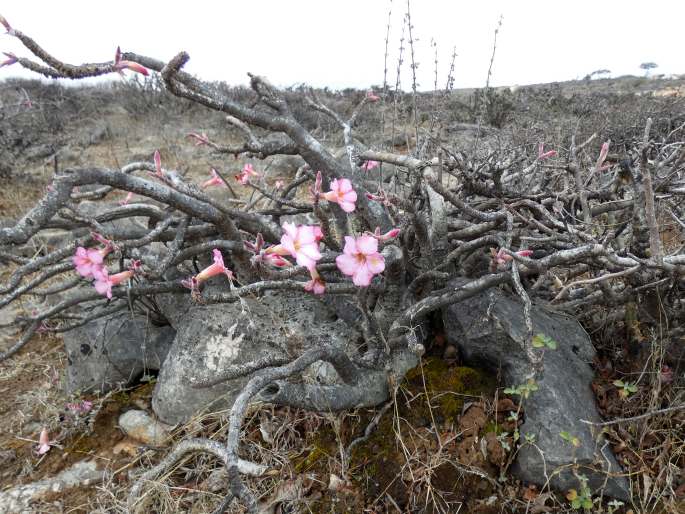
{"x":376,"y":263}
{"x":350,"y":246}
{"x":347,"y":264}
{"x":367,"y":245}
{"x":218,"y":258}
{"x":362,"y":277}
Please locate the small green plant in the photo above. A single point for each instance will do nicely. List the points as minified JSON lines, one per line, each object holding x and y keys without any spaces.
{"x":502,"y":438}
{"x":523,"y":390}
{"x":544,"y":341}
{"x":625,"y":389}
{"x":570,"y":438}
{"x":583,"y":498}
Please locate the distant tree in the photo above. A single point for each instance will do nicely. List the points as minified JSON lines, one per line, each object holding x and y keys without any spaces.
{"x":596,"y":74}
{"x":647,"y":66}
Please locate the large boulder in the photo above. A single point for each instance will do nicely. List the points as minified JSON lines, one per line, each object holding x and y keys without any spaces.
{"x":490,"y":330}
{"x":114,"y":351}
{"x":214,"y":338}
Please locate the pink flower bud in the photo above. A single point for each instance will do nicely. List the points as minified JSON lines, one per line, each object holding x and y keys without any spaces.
{"x":43,"y":442}
{"x":244,"y":176}
{"x":157,"y":158}
{"x":7,"y":26}
{"x":103,"y":240}
{"x":120,"y":66}
{"x":316,"y":285}
{"x":11,"y":59}
{"x":200,"y":139}
{"x":370,"y":165}
{"x":372,"y":97}
{"x":215,"y":180}
{"x":603,"y":152}
{"x":542,"y":155}
{"x":128,"y":198}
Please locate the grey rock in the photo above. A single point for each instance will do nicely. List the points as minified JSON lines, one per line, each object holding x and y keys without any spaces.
{"x":114,"y":351}
{"x":19,"y":498}
{"x":142,"y":427}
{"x":286,"y":165}
{"x":89,"y":208}
{"x":212,"y":338}
{"x":490,"y":331}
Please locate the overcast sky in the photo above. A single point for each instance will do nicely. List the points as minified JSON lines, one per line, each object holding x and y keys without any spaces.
{"x":341,"y":43}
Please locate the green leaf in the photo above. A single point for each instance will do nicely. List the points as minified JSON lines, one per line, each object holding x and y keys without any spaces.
{"x":618,"y":383}
{"x":538,"y":341}
{"x":551,"y":344}
{"x":565,"y":435}
{"x":587,"y":503}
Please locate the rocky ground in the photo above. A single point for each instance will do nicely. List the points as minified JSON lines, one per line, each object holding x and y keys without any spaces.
{"x":446,"y":443}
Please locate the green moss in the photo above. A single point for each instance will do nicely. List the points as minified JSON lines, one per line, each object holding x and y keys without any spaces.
{"x":493,"y":426}
{"x":323,"y":445}
{"x":444,"y":389}
{"x":122,"y":398}
{"x":431,"y":391}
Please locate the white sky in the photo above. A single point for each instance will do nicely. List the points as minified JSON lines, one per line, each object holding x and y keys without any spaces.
{"x":341,"y":43}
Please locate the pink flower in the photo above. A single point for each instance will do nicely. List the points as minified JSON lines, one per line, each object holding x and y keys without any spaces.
{"x":391,"y":234}
{"x":257,"y":246}
{"x":217,"y":268}
{"x":215,"y":180}
{"x":360,"y":259}
{"x":500,"y":257}
{"x":43,"y":442}
{"x":128,"y":198}
{"x":316,"y":285}
{"x":200,"y":139}
{"x":380,"y":196}
{"x":603,"y":152}
{"x":300,"y":242}
{"x":11,"y":59}
{"x":120,"y":66}
{"x":369,"y":165}
{"x":104,"y":283}
{"x":272,"y":259}
{"x":279,"y":184}
{"x":372,"y":97}
{"x":89,"y":262}
{"x":244,"y":176}
{"x":275,"y":260}
{"x":80,"y":407}
{"x":103,"y":240}
{"x":342,"y":193}
{"x":542,"y":155}
{"x":7,"y":26}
